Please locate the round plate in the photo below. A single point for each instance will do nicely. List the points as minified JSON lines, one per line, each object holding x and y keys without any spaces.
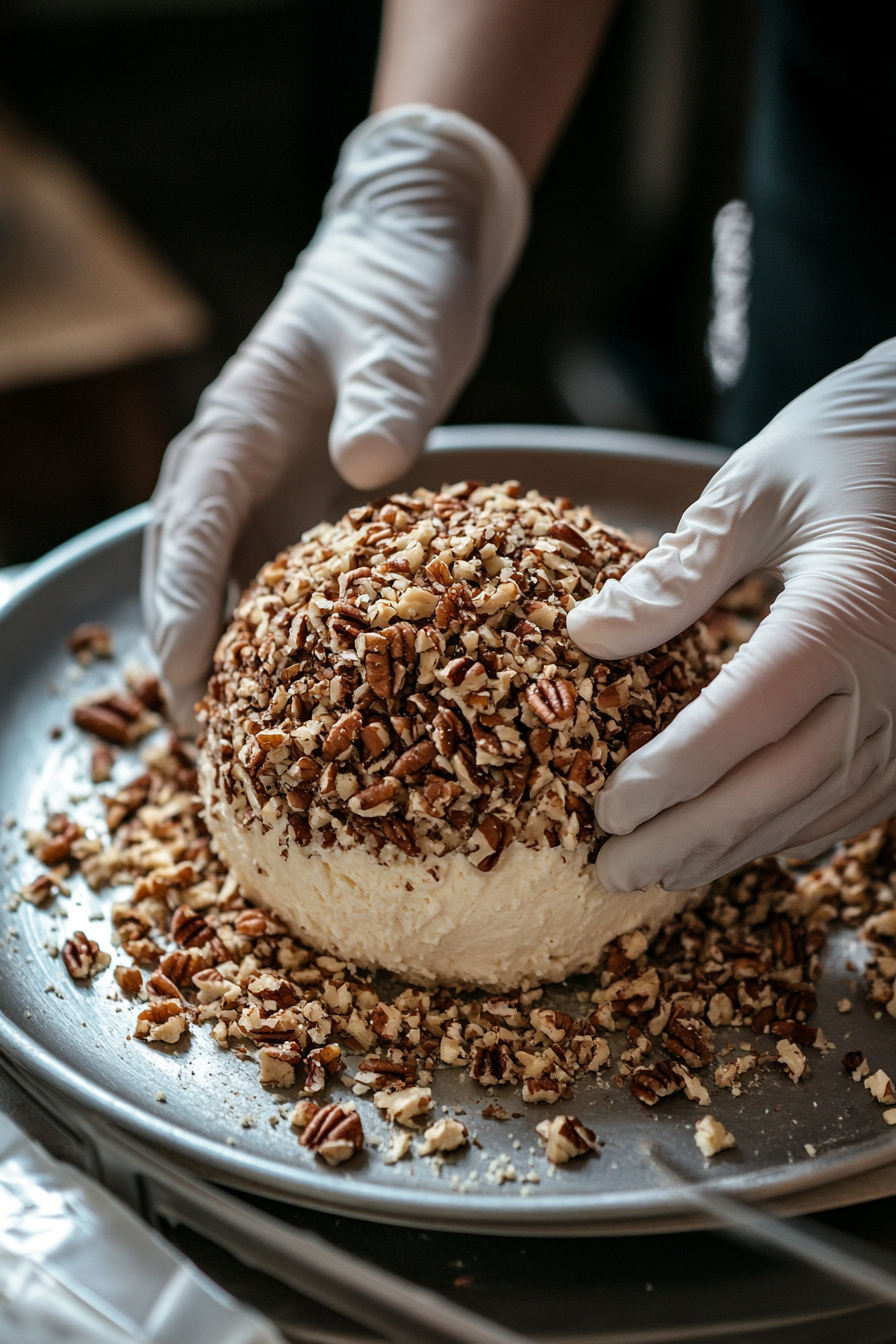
{"x":208,"y":1110}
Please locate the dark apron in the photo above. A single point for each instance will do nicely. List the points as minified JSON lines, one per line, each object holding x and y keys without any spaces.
{"x":821,"y":181}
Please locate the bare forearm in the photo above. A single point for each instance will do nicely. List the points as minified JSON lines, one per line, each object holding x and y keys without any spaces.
{"x":515,"y":66}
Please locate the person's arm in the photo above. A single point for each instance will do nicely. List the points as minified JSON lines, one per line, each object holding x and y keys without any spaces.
{"x":386,"y":313}
{"x":514,"y":66}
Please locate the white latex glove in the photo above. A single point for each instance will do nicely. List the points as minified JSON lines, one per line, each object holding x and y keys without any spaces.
{"x":792,"y":746}
{"x":367,"y":344}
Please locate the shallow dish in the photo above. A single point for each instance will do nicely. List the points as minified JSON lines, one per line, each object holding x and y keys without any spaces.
{"x":214,"y":1116}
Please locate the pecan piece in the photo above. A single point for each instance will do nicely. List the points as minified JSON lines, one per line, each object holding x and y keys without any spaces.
{"x":254,"y":923}
{"x":650,"y":1085}
{"x":552,"y":699}
{"x":307,"y":769}
{"x":380,"y":1074}
{"x":158,"y":986}
{"x":101,"y":762}
{"x":447,"y":731}
{"x":571,"y":537}
{"x":148,"y":689}
{"x":128,"y":979}
{"x":143,"y":950}
{"x":179,"y":968}
{"x":189,"y":929}
{"x":535,"y":1090}
{"x":400,"y":833}
{"x":82,"y":956}
{"x":684,"y":1039}
{"x":127,"y":801}
{"x":495,"y":835}
{"x":439,"y":794}
{"x":414,"y":759}
{"x":854,"y":1062}
{"x":274,"y":991}
{"x":378,"y":664}
{"x":334,"y":1132}
{"x":343,"y":733}
{"x":327,"y":1059}
{"x":638,"y":736}
{"x":551,"y":1022}
{"x":102,"y":722}
{"x":63,"y":835}
{"x":565,"y":1137}
{"x":91,"y":640}
{"x":492,"y":1064}
{"x":381,"y":794}
{"x":375,"y":738}
{"x":165,"y":1020}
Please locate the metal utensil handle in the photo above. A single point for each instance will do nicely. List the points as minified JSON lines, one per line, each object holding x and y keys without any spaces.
{"x":866,"y":1268}
{"x":382,"y":1301}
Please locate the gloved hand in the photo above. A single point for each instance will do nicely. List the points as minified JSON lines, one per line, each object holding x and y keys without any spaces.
{"x":370,"y":339}
{"x":792,"y":746}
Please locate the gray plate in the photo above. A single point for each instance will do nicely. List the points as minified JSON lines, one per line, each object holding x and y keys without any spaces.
{"x":215,"y":1117}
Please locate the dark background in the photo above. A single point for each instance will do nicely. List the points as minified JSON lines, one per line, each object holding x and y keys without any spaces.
{"x":215,"y":128}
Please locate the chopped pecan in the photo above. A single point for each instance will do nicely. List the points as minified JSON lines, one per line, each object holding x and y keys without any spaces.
{"x":378,"y":664}
{"x":253,"y":923}
{"x":128,"y":979}
{"x":381,"y":794}
{"x":91,"y":640}
{"x":572,"y":537}
{"x":335,"y":1133}
{"x":274,"y":991}
{"x":158,"y":986}
{"x":165,"y":1020}
{"x":144,"y":951}
{"x":319,"y":1063}
{"x":496,"y":835}
{"x":127,"y":801}
{"x":190,"y":929}
{"x":853,"y":1062}
{"x":400,"y":833}
{"x":537,"y":1090}
{"x":382,"y":1074}
{"x":552,"y":699}
{"x":148,"y":690}
{"x":490,"y":1065}
{"x":551,"y":1022}
{"x":565,"y":1137}
{"x":447,"y":731}
{"x":650,"y":1085}
{"x":101,"y":762}
{"x":179,"y":968}
{"x":638,"y":735}
{"x":343,"y":733}
{"x":375,"y":738}
{"x":63,"y":834}
{"x":102,"y":722}
{"x":684,"y":1039}
{"x":82,"y":956}
{"x":451,"y":604}
{"x":416,"y":758}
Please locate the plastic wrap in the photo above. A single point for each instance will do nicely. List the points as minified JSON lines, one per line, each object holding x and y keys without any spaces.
{"x":77,"y":1267}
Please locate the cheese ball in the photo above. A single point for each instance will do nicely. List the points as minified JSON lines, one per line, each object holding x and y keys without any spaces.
{"x":403,"y":745}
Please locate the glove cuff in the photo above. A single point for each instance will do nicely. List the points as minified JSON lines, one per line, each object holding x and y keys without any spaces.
{"x":438,"y":158}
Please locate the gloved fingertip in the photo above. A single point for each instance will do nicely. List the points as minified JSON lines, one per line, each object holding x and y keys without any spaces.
{"x":369,"y":461}
{"x":592,"y":627}
{"x":181,"y":702}
{"x":613,"y":875}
